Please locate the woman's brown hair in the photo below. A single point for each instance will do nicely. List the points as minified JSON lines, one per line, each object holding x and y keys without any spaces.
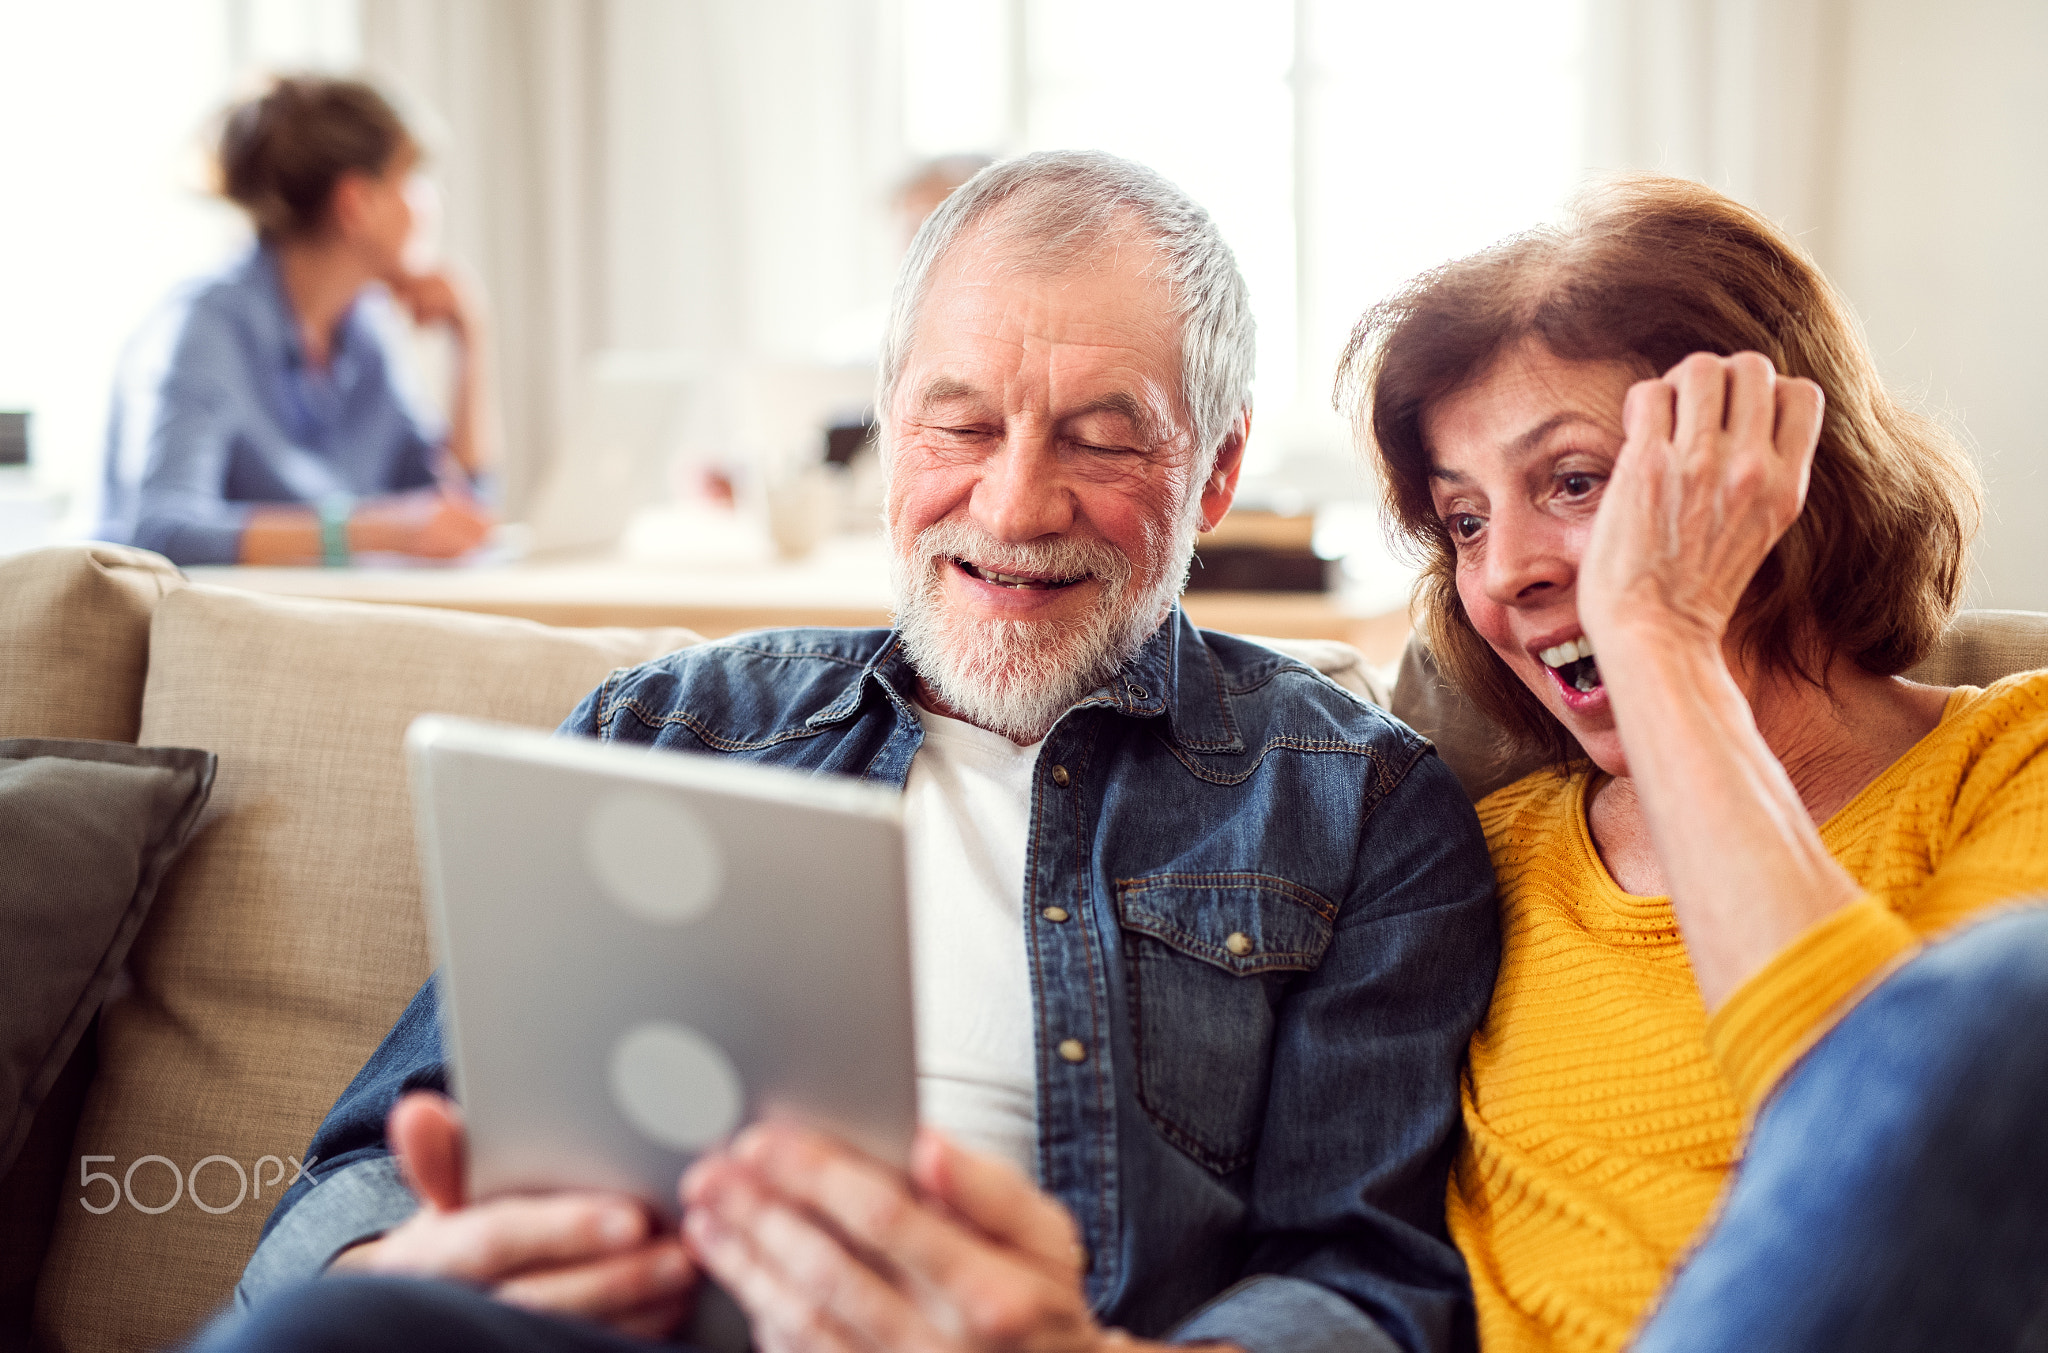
{"x":282,"y":152}
{"x":1648,"y":270}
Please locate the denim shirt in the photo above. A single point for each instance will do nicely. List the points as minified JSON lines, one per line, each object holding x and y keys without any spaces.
{"x":1260,"y":906}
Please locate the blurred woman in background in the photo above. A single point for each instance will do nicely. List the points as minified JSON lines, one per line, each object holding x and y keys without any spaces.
{"x":261,"y":416}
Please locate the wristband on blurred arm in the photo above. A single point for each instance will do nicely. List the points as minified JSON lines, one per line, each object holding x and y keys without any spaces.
{"x":334,"y":510}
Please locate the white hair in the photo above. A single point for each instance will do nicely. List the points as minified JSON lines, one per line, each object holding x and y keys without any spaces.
{"x":1057,"y":204}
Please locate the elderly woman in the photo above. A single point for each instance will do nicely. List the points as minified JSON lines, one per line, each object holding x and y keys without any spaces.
{"x":260,"y":417}
{"x":1680,"y":537}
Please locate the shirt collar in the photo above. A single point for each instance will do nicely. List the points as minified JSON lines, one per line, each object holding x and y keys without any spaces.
{"x":1173,"y":673}
{"x":264,"y":272}
{"x":263,"y":278}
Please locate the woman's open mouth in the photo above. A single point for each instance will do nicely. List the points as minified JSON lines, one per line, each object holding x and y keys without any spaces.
{"x":1572,"y":663}
{"x":1015,"y":580}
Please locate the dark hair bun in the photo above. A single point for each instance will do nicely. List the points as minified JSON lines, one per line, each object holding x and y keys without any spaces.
{"x":282,"y":152}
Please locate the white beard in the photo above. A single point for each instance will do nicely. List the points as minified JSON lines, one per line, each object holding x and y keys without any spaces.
{"x":1016,"y":677}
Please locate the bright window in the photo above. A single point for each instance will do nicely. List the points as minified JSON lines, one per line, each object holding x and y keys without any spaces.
{"x":1343,"y":145}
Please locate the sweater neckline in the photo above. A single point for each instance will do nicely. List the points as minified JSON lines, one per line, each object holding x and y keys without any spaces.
{"x":1652,"y":912}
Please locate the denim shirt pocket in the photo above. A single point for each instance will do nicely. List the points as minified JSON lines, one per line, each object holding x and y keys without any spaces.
{"x":1208,"y":958}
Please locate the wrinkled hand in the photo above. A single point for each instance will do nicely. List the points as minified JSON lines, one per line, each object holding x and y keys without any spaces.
{"x":1712,"y":471}
{"x":598,"y":1257}
{"x":829,"y":1252}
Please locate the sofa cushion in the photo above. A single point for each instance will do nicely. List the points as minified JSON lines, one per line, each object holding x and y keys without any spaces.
{"x":1983,"y":646}
{"x":87,"y":830}
{"x":74,"y":639}
{"x":1469,"y":743}
{"x":1979,"y":648}
{"x":290,"y":936}
{"x":74,"y":645}
{"x":1335,"y":659}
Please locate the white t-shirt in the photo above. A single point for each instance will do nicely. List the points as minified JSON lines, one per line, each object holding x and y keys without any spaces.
{"x":966,"y":813}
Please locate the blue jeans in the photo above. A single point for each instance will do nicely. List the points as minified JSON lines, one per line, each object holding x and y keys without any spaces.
{"x":357,"y":1314}
{"x":1894,"y":1196}
{"x":1894,"y":1192}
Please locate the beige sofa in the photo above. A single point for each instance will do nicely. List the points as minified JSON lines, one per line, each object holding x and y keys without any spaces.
{"x":288,"y":937}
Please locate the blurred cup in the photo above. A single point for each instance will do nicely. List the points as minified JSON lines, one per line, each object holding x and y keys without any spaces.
{"x":803,"y":508}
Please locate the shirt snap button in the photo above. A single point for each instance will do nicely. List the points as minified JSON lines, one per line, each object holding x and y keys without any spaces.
{"x":1138,"y":693}
{"x":1054,"y":914}
{"x":1060,"y":776}
{"x":1239,"y":943}
{"x":1073,"y":1050}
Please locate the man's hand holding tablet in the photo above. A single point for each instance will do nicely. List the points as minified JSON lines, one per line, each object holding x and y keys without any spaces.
{"x":824,"y":1248}
{"x":594,"y":1256}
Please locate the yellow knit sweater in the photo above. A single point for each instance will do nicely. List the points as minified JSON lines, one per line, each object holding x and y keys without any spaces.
{"x":1602,"y":1107}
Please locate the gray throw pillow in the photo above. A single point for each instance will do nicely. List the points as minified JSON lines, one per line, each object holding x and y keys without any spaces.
{"x":87,"y":831}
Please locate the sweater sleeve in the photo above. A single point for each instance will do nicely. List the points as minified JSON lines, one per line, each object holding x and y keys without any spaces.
{"x":1777,"y":1014}
{"x":1986,"y":815}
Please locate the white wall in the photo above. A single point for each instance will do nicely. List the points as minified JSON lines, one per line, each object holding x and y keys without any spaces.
{"x":749,"y":154}
{"x":1939,"y":235}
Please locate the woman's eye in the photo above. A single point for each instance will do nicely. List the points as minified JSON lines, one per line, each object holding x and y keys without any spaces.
{"x":1578,"y":485}
{"x":1463,"y":525}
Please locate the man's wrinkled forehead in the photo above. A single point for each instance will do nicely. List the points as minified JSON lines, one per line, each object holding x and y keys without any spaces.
{"x":1102,"y":296}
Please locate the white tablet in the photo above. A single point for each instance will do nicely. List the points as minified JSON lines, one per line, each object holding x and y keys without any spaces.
{"x":643,"y":950}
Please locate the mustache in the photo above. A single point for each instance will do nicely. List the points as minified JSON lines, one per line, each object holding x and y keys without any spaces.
{"x":1061,"y":557}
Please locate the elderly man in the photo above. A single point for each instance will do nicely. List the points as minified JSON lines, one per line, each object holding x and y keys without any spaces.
{"x":1199,"y":937}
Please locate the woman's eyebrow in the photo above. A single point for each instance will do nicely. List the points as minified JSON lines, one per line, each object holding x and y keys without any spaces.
{"x":1523,"y":445}
{"x":1537,"y":435}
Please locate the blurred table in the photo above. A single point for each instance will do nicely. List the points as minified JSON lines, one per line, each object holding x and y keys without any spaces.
{"x":845,"y":581}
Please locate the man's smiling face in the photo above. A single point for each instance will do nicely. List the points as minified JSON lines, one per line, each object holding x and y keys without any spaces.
{"x":1041,"y":503}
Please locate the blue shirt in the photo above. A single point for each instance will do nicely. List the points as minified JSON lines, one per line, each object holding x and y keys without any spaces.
{"x":1272,"y":930}
{"x":216,"y":409}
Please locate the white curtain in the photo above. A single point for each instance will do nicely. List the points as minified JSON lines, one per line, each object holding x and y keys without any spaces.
{"x":1743,"y":94}
{"x":684,"y":175}
{"x":508,"y":94}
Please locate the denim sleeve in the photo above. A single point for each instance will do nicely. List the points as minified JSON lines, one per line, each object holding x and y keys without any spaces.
{"x":351,"y":1190}
{"x":422,"y":449}
{"x":584,"y":721}
{"x":423,"y":432}
{"x":1362,"y":1114}
{"x":186,"y":412}
{"x":414,"y":466}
